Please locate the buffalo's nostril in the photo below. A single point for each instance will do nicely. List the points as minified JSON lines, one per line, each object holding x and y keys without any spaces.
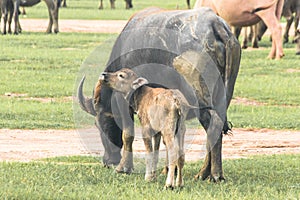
{"x":103,"y":76}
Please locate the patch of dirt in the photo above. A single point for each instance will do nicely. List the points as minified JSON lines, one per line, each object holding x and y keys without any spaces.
{"x":293,"y":70}
{"x":245,"y":101}
{"x":27,"y":145}
{"x":91,"y":26}
{"x":40,"y":99}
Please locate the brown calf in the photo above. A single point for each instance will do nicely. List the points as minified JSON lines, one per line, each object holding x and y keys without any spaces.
{"x":162,"y":112}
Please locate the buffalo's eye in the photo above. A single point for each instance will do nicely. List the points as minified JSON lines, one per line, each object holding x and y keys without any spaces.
{"x":121,"y":75}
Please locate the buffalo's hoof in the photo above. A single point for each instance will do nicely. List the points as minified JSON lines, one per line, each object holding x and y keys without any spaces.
{"x":169,"y":187}
{"x":255,"y":46}
{"x":244,"y":47}
{"x":278,"y":57}
{"x":109,"y":163}
{"x":112,"y":159}
{"x":165,"y":170}
{"x":298,"y":53}
{"x":217,"y":179}
{"x":124,"y":170}
{"x":200,"y":177}
{"x":150,"y":177}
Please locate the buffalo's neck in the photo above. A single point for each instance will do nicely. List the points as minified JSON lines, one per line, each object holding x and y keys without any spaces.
{"x":139,"y":96}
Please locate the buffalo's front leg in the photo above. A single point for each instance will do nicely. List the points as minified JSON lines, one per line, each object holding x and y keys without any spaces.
{"x":111,"y":136}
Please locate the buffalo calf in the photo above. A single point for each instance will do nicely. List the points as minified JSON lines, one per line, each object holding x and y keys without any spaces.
{"x":162,"y":112}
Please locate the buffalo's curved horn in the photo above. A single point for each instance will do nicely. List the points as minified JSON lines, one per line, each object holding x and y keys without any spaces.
{"x":85,"y":103}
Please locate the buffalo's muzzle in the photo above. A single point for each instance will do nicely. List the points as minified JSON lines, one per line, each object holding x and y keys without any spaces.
{"x":104,"y":77}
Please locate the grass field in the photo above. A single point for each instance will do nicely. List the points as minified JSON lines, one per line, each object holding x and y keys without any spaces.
{"x":48,"y":66}
{"x":260,"y":177}
{"x":39,"y":74}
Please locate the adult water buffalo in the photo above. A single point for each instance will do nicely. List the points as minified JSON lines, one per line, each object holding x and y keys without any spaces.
{"x":290,"y":11}
{"x":290,"y":7}
{"x":53,"y":6}
{"x":246,"y":13}
{"x":112,"y":4}
{"x":10,"y":7}
{"x":53,"y":9}
{"x":190,"y":50}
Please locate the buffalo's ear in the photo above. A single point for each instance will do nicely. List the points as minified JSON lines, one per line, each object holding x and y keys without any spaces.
{"x":138,"y":83}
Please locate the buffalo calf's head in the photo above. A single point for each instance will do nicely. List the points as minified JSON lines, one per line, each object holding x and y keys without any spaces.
{"x":124,"y":80}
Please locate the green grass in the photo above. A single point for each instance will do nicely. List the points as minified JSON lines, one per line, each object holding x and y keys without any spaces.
{"x":260,"y":177}
{"x":49,"y":66}
{"x":274,"y":84}
{"x":88,"y":9}
{"x":42,"y":66}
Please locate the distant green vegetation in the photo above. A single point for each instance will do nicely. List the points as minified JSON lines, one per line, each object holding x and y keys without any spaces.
{"x":85,"y":178}
{"x":88,"y":9}
{"x":48,"y":66}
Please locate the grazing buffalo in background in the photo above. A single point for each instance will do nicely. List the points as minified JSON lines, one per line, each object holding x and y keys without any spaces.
{"x":289,"y":8}
{"x":9,"y":10}
{"x":63,"y":3}
{"x":190,"y":50}
{"x":290,"y":11}
{"x":129,"y":4}
{"x":53,"y":7}
{"x":6,"y":11}
{"x":245,"y":13}
{"x":112,"y":4}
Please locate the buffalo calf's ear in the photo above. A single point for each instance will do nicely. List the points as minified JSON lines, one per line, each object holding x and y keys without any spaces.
{"x":138,"y":83}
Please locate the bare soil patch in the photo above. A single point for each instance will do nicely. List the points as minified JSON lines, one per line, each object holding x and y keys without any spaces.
{"x":91,"y":26}
{"x":28,"y":145}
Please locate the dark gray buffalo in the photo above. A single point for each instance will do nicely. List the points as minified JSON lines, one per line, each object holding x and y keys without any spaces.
{"x":53,"y":9}
{"x":193,"y":51}
{"x":12,"y":6}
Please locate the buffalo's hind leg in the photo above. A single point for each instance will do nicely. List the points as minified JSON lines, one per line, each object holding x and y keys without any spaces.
{"x":212,"y":167}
